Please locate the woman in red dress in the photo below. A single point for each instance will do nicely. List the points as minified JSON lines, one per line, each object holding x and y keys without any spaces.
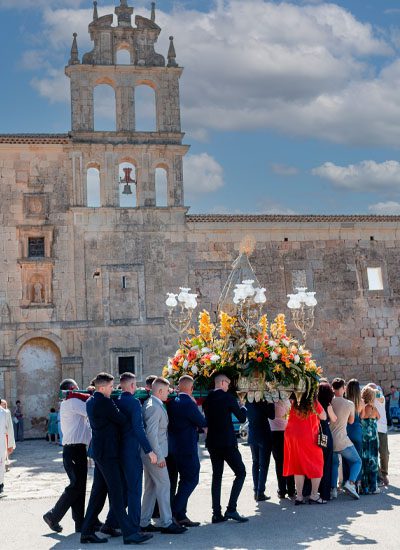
{"x":302,"y":456}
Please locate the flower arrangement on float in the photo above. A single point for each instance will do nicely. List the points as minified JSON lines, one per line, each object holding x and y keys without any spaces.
{"x":261,"y":364}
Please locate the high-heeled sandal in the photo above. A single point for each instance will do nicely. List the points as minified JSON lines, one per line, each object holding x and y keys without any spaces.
{"x":319,"y":500}
{"x":298,"y":502}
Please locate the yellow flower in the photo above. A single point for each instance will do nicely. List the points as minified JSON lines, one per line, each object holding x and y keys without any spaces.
{"x":227,"y":323}
{"x":263,"y":324}
{"x":165,"y":372}
{"x":206,"y":328}
{"x":277,"y":368}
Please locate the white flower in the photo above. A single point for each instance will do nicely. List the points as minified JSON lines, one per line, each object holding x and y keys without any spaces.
{"x":214,"y":358}
{"x":274,"y":356}
{"x":194,"y":369}
{"x":169,"y":362}
{"x":272,"y":343}
{"x":205,"y":350}
{"x":296,"y":359}
{"x":170,"y":370}
{"x":185,"y":364}
{"x":251,"y":342}
{"x":195,"y":348}
{"x":285,"y":342}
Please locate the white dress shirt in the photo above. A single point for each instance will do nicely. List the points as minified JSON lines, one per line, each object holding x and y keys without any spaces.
{"x":75,"y":426}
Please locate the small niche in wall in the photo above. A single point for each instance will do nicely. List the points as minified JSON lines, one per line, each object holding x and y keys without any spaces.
{"x":375,"y":280}
{"x":124,"y":282}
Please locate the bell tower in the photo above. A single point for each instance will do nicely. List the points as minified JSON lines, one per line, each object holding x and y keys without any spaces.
{"x":146,"y":150}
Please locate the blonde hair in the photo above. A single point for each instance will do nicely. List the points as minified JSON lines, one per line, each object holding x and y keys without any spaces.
{"x":368,"y":395}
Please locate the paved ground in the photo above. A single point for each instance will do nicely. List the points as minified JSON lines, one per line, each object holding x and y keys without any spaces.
{"x":37,"y":478}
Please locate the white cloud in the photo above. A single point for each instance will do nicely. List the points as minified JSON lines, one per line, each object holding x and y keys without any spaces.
{"x":250,"y":64}
{"x":203,"y":174}
{"x":284,"y":170}
{"x":385,"y":208}
{"x":23,"y":4}
{"x":368,"y":175}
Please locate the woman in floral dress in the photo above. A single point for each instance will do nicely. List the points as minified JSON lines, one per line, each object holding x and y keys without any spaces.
{"x":370,"y":443}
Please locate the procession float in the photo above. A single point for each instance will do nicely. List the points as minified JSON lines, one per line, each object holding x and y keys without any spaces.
{"x":263,"y":361}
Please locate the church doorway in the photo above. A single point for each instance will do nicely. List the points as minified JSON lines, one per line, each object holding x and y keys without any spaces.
{"x":38,"y":379}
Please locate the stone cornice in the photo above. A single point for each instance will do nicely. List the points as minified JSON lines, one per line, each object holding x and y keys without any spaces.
{"x":35,"y":139}
{"x":284,"y":218}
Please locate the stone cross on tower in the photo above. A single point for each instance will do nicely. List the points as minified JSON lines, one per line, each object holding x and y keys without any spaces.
{"x":124,"y":14}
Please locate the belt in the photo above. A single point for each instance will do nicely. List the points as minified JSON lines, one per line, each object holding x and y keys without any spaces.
{"x":74,"y":445}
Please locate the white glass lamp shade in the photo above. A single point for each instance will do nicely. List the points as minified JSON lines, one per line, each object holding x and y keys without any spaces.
{"x":249,"y":288}
{"x":293,"y":302}
{"x":302,"y":294}
{"x":311,"y":300}
{"x":171,"y":300}
{"x":191,"y":302}
{"x":260,"y":297}
{"x":241,"y":291}
{"x":182,"y":296}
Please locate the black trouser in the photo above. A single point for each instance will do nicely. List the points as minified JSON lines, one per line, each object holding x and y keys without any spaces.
{"x":187,"y":466}
{"x":233,"y":458}
{"x":75,"y":464}
{"x":107,"y":478}
{"x":285,"y":484}
{"x":261,"y":456}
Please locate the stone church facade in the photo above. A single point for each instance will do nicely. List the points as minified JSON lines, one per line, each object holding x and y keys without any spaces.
{"x":83,"y":288}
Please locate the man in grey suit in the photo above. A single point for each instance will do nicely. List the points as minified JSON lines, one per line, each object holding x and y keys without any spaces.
{"x":156,"y":479}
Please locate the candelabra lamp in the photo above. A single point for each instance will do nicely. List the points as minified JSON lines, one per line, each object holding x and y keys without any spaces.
{"x":180,"y":309}
{"x":302,"y":306}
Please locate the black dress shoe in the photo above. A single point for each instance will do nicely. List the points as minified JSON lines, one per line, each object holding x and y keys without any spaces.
{"x":218,"y":518}
{"x":173,"y":529}
{"x":150,"y":528}
{"x":186,"y":522}
{"x":236,"y":516}
{"x":107,"y":530}
{"x":261,"y":497}
{"x":92,"y":539}
{"x":137,"y":538}
{"x":54,"y":526}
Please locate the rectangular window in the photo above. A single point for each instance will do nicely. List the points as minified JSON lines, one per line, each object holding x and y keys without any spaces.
{"x":299,"y":278}
{"x":36,"y":247}
{"x":126,"y":364}
{"x":375,"y":281}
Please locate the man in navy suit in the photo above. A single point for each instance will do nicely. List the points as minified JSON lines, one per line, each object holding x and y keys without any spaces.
{"x":107,"y":422}
{"x":260,"y":441}
{"x":133,"y":439}
{"x":185,"y":420}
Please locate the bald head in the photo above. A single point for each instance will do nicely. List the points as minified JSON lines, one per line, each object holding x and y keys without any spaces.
{"x":222,"y":382}
{"x":186,"y":384}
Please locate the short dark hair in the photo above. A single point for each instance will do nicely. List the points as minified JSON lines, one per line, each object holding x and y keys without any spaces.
{"x":186,"y":378}
{"x":127,"y":376}
{"x":67,"y":384}
{"x":17,"y":402}
{"x":150,"y":379}
{"x":338,"y":383}
{"x":158,"y":382}
{"x":102,"y":379}
{"x":52,"y":410}
{"x":325,"y":394}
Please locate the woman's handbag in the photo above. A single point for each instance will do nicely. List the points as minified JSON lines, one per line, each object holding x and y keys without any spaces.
{"x":322,"y":440}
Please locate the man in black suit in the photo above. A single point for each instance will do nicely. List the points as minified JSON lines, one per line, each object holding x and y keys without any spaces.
{"x":107,"y":422}
{"x":222,"y":445}
{"x":185,"y":420}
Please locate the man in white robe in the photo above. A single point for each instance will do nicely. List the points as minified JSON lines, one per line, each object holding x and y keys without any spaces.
{"x":10,"y":437}
{"x":3,"y":447}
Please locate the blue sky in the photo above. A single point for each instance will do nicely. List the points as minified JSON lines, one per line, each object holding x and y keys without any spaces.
{"x":289,"y":107}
